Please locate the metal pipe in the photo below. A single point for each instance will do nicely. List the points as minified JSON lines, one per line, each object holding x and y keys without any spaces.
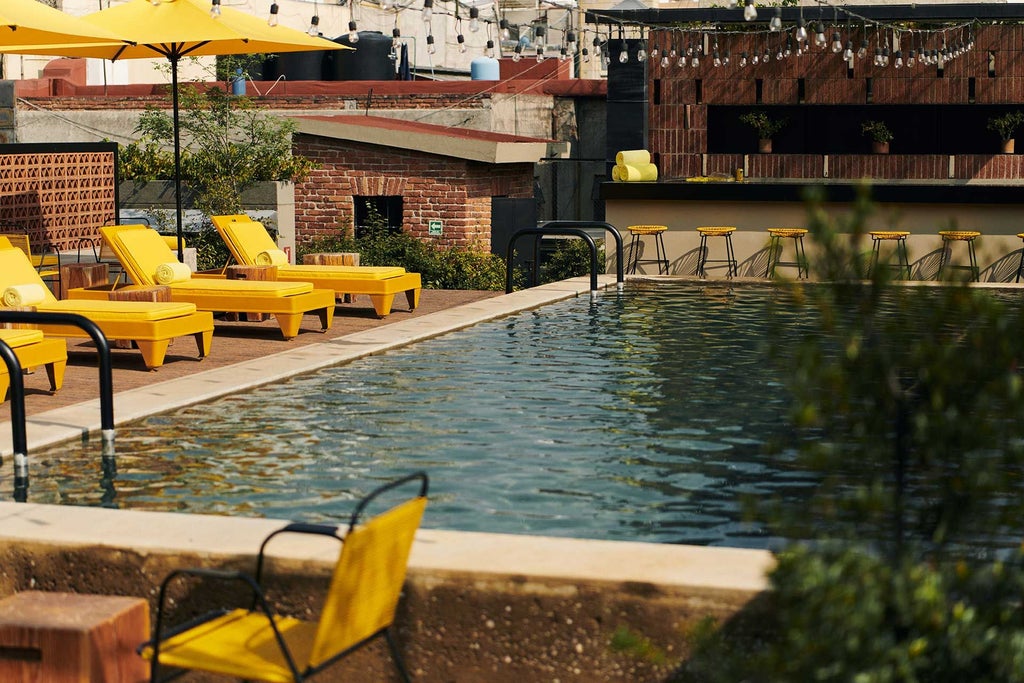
{"x":17,"y":422}
{"x":574,"y":232}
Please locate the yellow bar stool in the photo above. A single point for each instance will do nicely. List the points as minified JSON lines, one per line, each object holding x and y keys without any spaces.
{"x":775,"y":251}
{"x":661,"y":255}
{"x":707,"y":231}
{"x":900,"y":237}
{"x":950,"y":236}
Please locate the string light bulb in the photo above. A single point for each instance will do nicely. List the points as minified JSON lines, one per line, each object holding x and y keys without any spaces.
{"x":776,"y":21}
{"x":749,"y":11}
{"x":428,"y":11}
{"x":517,"y":54}
{"x":586,"y":55}
{"x":214,"y":8}
{"x":862,"y":52}
{"x":461,"y":40}
{"x":396,"y":38}
{"x":570,"y":41}
{"x":743,"y":59}
{"x":474,"y":19}
{"x":726,"y":59}
{"x":899,"y":59}
{"x":489,"y":48}
{"x":819,"y":35}
{"x":431,"y":48}
{"x":837,"y":43}
{"x":911,"y":59}
{"x":801,"y":30}
{"x":272,"y":18}
{"x":716,"y":59}
{"x":353,"y":32}
{"x":848,"y":52}
{"x":641,"y":53}
{"x":624,"y":54}
{"x":665,"y":61}
{"x":506,"y":34}
{"x":314,"y":26}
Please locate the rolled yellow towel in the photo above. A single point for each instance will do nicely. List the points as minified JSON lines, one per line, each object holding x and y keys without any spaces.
{"x":615,"y":174}
{"x":633,"y":157}
{"x":272,"y":257}
{"x":168,"y":273}
{"x":638,"y":173}
{"x":24,"y":295}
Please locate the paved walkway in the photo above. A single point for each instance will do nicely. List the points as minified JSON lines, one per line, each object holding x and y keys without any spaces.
{"x":233,"y":342}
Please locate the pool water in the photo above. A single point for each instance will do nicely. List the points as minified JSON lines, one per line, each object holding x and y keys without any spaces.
{"x":642,"y":415}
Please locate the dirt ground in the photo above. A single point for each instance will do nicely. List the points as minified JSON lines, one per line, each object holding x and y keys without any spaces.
{"x":233,"y":342}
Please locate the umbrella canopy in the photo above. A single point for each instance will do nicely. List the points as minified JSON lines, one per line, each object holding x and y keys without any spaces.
{"x":174,"y":29}
{"x":29,"y":22}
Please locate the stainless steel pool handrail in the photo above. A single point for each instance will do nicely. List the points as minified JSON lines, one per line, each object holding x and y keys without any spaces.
{"x":568,"y":228}
{"x":18,"y":433}
{"x":102,"y":348}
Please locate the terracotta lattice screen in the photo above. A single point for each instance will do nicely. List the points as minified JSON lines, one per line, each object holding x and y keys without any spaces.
{"x":59,"y":195}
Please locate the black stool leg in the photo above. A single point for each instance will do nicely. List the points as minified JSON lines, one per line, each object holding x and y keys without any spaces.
{"x":903,"y":258}
{"x":661,"y":252}
{"x":702,"y":256}
{"x":1020,"y":266}
{"x":943,"y":258}
{"x":734,"y":268}
{"x":634,"y":250}
{"x":975,"y":272}
{"x":769,"y":269}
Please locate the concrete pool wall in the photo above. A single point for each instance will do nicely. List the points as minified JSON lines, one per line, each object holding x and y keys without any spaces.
{"x":477,"y":607}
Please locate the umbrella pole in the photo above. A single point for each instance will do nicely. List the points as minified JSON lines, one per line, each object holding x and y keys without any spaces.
{"x":177,"y":158}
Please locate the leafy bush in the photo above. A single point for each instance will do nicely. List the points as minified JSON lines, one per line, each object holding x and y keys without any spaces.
{"x":571,"y":258}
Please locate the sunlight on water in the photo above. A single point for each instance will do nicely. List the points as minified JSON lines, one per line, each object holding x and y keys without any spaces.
{"x":645,"y":415}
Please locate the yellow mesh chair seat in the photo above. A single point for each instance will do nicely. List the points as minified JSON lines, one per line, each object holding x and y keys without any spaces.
{"x":150,"y":325}
{"x":635,"y":245}
{"x":787,"y":232}
{"x":716,"y":231}
{"x":360,"y":605}
{"x":647,"y":229}
{"x":726,"y":231}
{"x":775,"y":237}
{"x":246,"y":239}
{"x":889,"y":234}
{"x":959,"y":236}
{"x":141,"y":251}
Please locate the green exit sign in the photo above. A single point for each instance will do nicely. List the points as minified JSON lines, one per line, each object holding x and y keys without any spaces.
{"x":435,"y":228}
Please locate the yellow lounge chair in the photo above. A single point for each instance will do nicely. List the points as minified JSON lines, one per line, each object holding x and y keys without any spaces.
{"x":247,"y":239}
{"x":32,"y":350}
{"x":257,"y":644}
{"x":142,"y":251}
{"x":150,"y":325}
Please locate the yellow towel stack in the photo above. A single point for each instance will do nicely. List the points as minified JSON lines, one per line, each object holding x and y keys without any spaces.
{"x":24,"y":295}
{"x":634,"y":165}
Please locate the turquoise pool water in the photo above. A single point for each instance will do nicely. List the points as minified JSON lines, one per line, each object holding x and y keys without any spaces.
{"x":642,"y":415}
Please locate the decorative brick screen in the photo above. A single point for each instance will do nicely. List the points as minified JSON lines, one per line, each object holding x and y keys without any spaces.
{"x":58,"y":194}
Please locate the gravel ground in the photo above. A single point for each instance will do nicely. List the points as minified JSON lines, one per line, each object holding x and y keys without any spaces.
{"x":232,"y":342}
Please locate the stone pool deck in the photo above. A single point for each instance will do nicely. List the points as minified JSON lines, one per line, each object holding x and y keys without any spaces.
{"x":478,"y":607}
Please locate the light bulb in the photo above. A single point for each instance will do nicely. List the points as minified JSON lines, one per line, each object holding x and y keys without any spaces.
{"x":749,"y":12}
{"x":540,"y":53}
{"x":776,"y":22}
{"x":716,"y":60}
{"x":396,"y":38}
{"x":314,"y":26}
{"x":863,"y":51}
{"x":779,"y":54}
{"x":489,"y":49}
{"x":911,"y":59}
{"x":517,"y":54}
{"x":672,"y":52}
{"x":570,"y":43}
{"x":837,"y":43}
{"x":694,"y":61}
{"x":755,"y":59}
{"x":474,"y":19}
{"x":428,"y":11}
{"x":664,"y":61}
{"x":505,"y":33}
{"x":767,"y":56}
{"x":214,"y":8}
{"x":899,"y":59}
{"x":848,"y":52}
{"x":461,"y":40}
{"x":885,"y":57}
{"x":586,"y":55}
{"x":272,"y":19}
{"x":878,"y":56}
{"x":743,"y":59}
{"x":431,"y":48}
{"x":789,"y":48}
{"x":353,"y":32}
{"x":623,"y":56}
{"x":801,"y":30}
{"x":725,"y":59}
{"x":819,"y":35}
{"x":682,"y":62}
{"x":563,"y":54}
{"x":641,"y":54}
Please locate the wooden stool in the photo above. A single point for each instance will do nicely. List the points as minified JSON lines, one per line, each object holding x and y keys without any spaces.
{"x":74,"y":275}
{"x":326,"y":258}
{"x":900,"y":237}
{"x":67,"y":637}
{"x":637,"y":231}
{"x":156,"y":294}
{"x":968,"y":236}
{"x":775,"y":251}
{"x":732,"y":267}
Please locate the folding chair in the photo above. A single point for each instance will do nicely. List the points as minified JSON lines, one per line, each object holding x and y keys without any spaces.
{"x":257,"y":644}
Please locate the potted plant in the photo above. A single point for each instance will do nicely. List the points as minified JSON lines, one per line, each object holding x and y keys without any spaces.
{"x":880,"y":135}
{"x":765,"y":127}
{"x":1005,"y":125}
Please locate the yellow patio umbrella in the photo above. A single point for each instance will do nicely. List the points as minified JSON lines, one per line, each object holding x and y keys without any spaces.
{"x":181,"y":28}
{"x":29,"y":22}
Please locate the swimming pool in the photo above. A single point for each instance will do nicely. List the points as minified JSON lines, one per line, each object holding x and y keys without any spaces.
{"x":645,"y":415}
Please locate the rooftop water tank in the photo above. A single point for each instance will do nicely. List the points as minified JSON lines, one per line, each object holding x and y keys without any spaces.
{"x":295,"y":66}
{"x":371,"y":61}
{"x":484,"y":69}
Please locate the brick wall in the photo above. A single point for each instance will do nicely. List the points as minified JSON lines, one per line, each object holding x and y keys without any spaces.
{"x":433,"y":187}
{"x":680,"y":97}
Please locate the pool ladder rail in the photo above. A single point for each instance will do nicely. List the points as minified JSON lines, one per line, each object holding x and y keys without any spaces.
{"x":569,"y":229}
{"x":18,"y":417}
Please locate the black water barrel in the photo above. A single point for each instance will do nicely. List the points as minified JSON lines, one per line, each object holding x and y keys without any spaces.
{"x":295,"y":66}
{"x":371,"y":61}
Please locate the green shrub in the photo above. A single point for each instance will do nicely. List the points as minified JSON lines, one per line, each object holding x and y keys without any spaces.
{"x":570,"y":259}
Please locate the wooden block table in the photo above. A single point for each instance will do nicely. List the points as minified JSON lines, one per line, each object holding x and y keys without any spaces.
{"x":339,"y":258}
{"x":66,"y":637}
{"x":74,"y":275}
{"x":252,"y":273}
{"x":137,"y":293}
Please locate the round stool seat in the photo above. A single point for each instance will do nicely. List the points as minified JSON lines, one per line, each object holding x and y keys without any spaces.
{"x":962,"y":235}
{"x":715,"y":231}
{"x":647,"y":229}
{"x":889,"y":234}
{"x":787,"y":232}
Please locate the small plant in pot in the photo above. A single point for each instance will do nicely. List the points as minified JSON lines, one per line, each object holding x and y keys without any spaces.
{"x":879,"y":134}
{"x":765,"y":127}
{"x":1005,"y":126}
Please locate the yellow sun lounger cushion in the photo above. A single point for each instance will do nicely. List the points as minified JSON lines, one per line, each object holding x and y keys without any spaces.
{"x":246,"y":239}
{"x":33,"y":349}
{"x":118,"y":310}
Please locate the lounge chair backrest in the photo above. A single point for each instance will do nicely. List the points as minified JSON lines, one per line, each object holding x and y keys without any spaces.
{"x":15,"y":269}
{"x":245,"y":237}
{"x":141,"y":250}
{"x":367,"y":580}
